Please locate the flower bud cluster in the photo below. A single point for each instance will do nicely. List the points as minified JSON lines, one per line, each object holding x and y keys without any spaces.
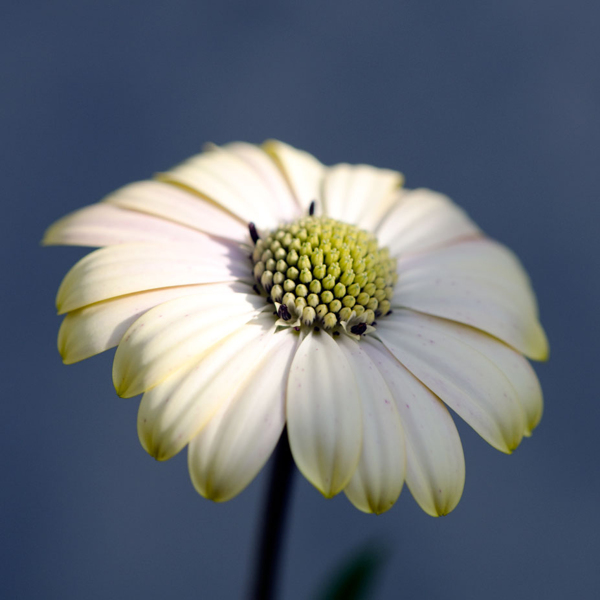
{"x":322,"y":271}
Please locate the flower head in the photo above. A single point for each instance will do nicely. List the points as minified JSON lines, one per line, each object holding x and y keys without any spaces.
{"x":252,"y":288}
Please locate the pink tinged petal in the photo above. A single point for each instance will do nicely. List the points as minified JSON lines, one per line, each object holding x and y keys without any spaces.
{"x":97,"y":327}
{"x":379,"y":476}
{"x":277,"y":191}
{"x":226,"y":179}
{"x":324,"y":414}
{"x":302,"y":171}
{"x":104,"y":225}
{"x":516,"y":368}
{"x":175,"y":410}
{"x":435,"y":465}
{"x":176,"y":333}
{"x":178,"y":205}
{"x":465,"y":379}
{"x":229,"y":452}
{"x":478,"y":283}
{"x":136,"y":267}
{"x":359,"y":194}
{"x":423,"y":220}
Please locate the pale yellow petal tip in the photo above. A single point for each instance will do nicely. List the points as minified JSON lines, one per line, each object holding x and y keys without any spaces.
{"x":122,"y":390}
{"x":215,"y":493}
{"x":327,"y":494}
{"x":121,"y":386}
{"x":540,"y":348}
{"x":68,"y":360}
{"x":328,"y":491}
{"x":531,"y":427}
{"x":64,"y":353}
{"x":50,"y":238}
{"x":379,"y":509}
{"x":441,"y":509}
{"x":270,"y":145}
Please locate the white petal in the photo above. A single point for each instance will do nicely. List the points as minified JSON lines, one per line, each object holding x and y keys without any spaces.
{"x":130,"y":268}
{"x":230,"y":182}
{"x":324,"y":414}
{"x":182,"y":206}
{"x":359,"y":194}
{"x":435,"y":466}
{"x":176,"y":333}
{"x":423,"y":220}
{"x":175,"y":410}
{"x":479,"y":283}
{"x":379,"y":476}
{"x":466,"y":380}
{"x":516,"y":368}
{"x":302,"y":171}
{"x":277,"y":190}
{"x":229,"y":452}
{"x":97,"y":327}
{"x":103,"y":225}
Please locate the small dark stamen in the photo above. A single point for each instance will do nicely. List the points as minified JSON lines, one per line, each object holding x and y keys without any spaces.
{"x":336,"y":333}
{"x":255,"y":288}
{"x":378,"y":313}
{"x":317,"y":329}
{"x":374,"y":323}
{"x":359,"y":329}
{"x":296,"y":328}
{"x":284,"y":313}
{"x":253,"y":233}
{"x":388,"y":313}
{"x":311,"y":208}
{"x":270,"y":300}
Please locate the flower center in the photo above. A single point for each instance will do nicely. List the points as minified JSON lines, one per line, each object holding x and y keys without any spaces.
{"x":319,"y":271}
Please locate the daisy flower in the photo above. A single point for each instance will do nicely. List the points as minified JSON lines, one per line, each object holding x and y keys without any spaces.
{"x":252,"y":290}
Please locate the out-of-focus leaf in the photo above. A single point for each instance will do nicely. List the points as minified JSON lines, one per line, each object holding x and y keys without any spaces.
{"x":355,"y":577}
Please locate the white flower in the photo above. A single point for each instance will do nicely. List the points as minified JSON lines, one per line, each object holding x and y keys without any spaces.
{"x":233,"y":331}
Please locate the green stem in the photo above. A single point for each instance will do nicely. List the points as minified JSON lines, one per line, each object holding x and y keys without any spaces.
{"x":271,"y":535}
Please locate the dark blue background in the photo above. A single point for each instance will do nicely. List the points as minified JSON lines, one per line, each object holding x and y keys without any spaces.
{"x":495,"y":103}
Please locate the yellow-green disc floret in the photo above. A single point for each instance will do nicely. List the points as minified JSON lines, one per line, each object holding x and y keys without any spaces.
{"x":322,"y":271}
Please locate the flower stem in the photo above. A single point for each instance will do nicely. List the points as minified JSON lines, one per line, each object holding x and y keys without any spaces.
{"x":273,"y":523}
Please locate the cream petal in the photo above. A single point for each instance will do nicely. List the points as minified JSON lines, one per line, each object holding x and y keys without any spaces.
{"x":277,"y":191}
{"x":324,"y":415}
{"x":435,"y":465}
{"x":359,"y":194}
{"x":229,"y":452}
{"x":103,"y":225}
{"x":379,"y":476}
{"x":175,"y":333}
{"x":130,"y":268}
{"x":478,"y":283}
{"x":422,"y":220}
{"x":229,"y":181}
{"x":466,"y":380}
{"x":175,"y":410}
{"x":97,"y":327}
{"x":302,"y":171}
{"x":173,"y":203}
{"x":516,"y":368}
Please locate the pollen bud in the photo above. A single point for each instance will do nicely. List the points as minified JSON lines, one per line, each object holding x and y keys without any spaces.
{"x":300,"y":304}
{"x":308,"y":315}
{"x":288,"y":299}
{"x":345,"y":314}
{"x":266,"y":280}
{"x":276,"y":293}
{"x":259,"y":269}
{"x":329,"y":321}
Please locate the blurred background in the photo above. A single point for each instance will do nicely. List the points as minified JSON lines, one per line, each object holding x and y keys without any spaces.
{"x":496,"y":104}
